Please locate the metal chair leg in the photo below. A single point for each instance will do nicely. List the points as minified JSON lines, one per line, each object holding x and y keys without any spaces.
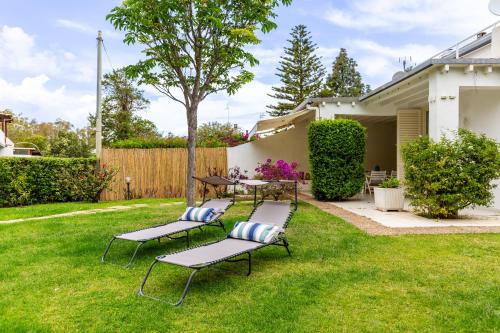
{"x":134,"y":255}
{"x":222,"y":225}
{"x":186,"y":288}
{"x":285,"y":243}
{"x":107,"y":249}
{"x":141,"y":287}
{"x":184,"y":292}
{"x":249,"y":263}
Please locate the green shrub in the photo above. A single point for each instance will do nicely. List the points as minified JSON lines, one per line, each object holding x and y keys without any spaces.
{"x":25,"y":181}
{"x":170,"y":142}
{"x":336,"y":154}
{"x":444,"y":177}
{"x":391,"y":182}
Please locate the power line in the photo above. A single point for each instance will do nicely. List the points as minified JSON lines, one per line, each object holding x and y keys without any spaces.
{"x":107,"y":56}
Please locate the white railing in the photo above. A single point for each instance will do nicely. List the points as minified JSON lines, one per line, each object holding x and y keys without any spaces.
{"x":455,"y":49}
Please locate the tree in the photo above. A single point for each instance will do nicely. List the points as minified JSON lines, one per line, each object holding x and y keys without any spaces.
{"x":194,"y":48}
{"x":58,"y":138}
{"x":345,"y":80}
{"x":120,"y":104}
{"x":301,"y":73}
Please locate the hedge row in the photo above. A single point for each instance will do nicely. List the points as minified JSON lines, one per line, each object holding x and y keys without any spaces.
{"x":25,"y":181}
{"x":337,"y":152}
{"x":174,"y":142}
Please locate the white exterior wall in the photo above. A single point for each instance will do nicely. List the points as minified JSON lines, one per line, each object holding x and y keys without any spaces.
{"x":444,"y":95}
{"x":6,"y":145}
{"x":480,"y":113}
{"x":289,"y":146}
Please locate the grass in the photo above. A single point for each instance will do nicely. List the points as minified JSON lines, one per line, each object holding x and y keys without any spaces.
{"x":338,"y":279}
{"x":22,"y":212}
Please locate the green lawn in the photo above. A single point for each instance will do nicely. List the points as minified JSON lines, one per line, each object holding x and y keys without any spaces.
{"x":12,"y":213}
{"x":338,"y":279}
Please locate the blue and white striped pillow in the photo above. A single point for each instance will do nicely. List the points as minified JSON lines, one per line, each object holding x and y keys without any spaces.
{"x":257,"y":232}
{"x":198,"y":214}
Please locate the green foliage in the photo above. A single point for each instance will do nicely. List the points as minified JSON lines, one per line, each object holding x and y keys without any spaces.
{"x":345,"y":80}
{"x":336,"y":154}
{"x":26,"y":181}
{"x":444,"y":177}
{"x":138,"y":143}
{"x":198,"y":46}
{"x":391,"y":182}
{"x":58,"y":139}
{"x":301,"y":73}
{"x":212,"y":132}
{"x":215,"y":134}
{"x":441,"y":178}
{"x":70,"y":144}
{"x":122,"y":100}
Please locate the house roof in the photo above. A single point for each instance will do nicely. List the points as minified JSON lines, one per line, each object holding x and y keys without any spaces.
{"x":446,"y":57}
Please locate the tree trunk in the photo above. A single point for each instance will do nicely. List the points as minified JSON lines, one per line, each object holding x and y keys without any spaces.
{"x":192,"y":119}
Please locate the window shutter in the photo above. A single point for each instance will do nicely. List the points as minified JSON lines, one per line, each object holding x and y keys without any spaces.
{"x":411,"y":124}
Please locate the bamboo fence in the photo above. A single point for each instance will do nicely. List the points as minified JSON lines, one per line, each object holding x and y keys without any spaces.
{"x":158,"y":173}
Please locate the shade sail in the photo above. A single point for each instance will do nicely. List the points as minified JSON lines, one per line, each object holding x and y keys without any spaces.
{"x":278,"y":122}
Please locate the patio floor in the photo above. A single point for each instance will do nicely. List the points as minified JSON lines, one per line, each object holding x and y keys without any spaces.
{"x":364,"y":205}
{"x":361,"y":213}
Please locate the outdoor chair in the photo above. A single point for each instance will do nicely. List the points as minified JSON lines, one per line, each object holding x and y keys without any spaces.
{"x":206,"y":256}
{"x":394,"y":174}
{"x":168,"y":230}
{"x":374,"y":179}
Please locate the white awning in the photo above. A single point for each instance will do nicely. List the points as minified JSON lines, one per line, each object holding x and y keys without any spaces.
{"x":284,"y":121}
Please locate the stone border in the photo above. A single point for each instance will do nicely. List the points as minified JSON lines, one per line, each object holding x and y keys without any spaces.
{"x":373,"y":228}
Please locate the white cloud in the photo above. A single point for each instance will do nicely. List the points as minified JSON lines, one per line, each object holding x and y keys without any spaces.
{"x":450,"y":17}
{"x":78,"y":26}
{"x":33,"y":98}
{"x":378,"y":62}
{"x":17,"y":52}
{"x":245,"y":108}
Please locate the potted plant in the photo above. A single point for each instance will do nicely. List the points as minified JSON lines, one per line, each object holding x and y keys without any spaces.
{"x":389,"y":195}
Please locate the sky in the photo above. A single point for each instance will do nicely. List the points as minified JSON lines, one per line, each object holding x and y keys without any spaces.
{"x":48,"y":52}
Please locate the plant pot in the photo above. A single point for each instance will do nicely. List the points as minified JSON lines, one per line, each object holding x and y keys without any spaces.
{"x":389,"y":199}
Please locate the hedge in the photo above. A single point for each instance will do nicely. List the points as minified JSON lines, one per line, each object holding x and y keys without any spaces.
{"x":173,"y":142}
{"x":336,"y":154}
{"x":25,"y":181}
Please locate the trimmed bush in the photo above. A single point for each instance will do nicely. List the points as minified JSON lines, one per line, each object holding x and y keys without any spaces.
{"x":336,"y":154}
{"x":26,"y":181}
{"x":444,"y":177}
{"x":171,"y":142}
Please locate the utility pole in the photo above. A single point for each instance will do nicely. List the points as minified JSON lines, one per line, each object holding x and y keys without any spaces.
{"x":98,"y":122}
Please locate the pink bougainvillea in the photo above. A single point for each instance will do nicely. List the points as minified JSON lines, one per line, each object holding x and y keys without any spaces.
{"x":279,"y":170}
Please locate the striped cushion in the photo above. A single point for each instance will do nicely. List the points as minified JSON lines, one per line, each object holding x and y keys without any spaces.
{"x":257,"y":232}
{"x":198,"y":214}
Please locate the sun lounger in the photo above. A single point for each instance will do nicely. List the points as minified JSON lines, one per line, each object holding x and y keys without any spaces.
{"x":169,"y":230}
{"x":227,"y":249}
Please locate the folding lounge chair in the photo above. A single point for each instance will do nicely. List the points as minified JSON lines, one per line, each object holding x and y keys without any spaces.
{"x":170,"y":229}
{"x":207,"y":255}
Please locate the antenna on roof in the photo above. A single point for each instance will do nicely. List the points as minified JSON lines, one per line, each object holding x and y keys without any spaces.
{"x":495,"y":7}
{"x":407,"y":63}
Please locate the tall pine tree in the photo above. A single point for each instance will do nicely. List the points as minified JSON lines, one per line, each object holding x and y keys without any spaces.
{"x":345,"y":80}
{"x":300,"y":71}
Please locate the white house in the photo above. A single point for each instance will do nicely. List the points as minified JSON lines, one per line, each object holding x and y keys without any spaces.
{"x":457,"y":88}
{"x":6,"y":145}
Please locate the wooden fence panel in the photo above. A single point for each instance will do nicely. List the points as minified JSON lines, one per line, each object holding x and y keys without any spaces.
{"x":158,"y":173}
